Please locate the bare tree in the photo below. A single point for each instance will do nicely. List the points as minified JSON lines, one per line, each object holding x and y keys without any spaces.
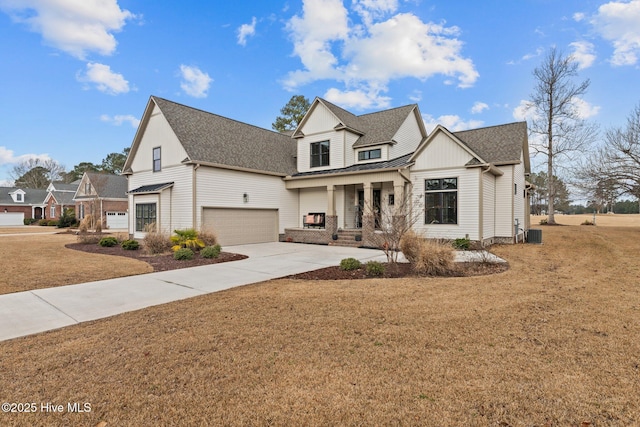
{"x":37,"y":173}
{"x":617,"y":162}
{"x":556,"y":118}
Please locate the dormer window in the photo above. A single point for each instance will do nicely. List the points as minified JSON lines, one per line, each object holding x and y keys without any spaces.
{"x":370,"y":154}
{"x":19,"y":197}
{"x":319,"y":154}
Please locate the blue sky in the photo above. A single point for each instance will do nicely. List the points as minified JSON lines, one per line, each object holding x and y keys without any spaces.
{"x":75,"y":75}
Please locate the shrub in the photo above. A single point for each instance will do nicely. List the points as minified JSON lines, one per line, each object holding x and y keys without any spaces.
{"x":108,"y":241}
{"x":53,"y":223}
{"x":374,"y":268}
{"x":183,"y":254}
{"x":428,"y":257}
{"x":349,"y":264}
{"x":87,"y":237}
{"x":155,"y":242}
{"x":29,"y":221}
{"x":211,"y":251}
{"x":68,"y":218}
{"x":543,"y":221}
{"x":130,"y":245}
{"x":187,"y":238}
{"x":208,"y":237}
{"x":588,"y":222}
{"x":43,"y":222}
{"x":86,"y":223}
{"x":462,"y":244}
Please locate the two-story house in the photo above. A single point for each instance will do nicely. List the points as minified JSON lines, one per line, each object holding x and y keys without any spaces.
{"x":337,"y":172}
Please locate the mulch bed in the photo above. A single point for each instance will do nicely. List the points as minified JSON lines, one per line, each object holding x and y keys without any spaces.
{"x":400,"y":270}
{"x":163,"y":262}
{"x":166,"y":262}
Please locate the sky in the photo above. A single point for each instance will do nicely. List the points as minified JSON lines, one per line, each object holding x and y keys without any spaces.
{"x":76,"y":75}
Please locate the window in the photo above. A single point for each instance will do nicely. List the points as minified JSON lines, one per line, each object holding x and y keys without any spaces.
{"x":370,"y":154}
{"x":19,"y":197}
{"x":156,"y":159}
{"x":145,"y":214}
{"x":87,"y":188}
{"x":441,"y":201}
{"x":319,"y":154}
{"x":53,"y":211}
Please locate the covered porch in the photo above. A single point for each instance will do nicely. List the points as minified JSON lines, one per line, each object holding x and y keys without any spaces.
{"x":345,"y":209}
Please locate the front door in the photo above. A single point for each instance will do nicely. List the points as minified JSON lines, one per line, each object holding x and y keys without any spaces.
{"x":361,"y":208}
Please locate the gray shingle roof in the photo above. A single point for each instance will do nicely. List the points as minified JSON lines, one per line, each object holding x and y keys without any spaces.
{"x":210,"y":138}
{"x":497,"y":144}
{"x":63,"y":197}
{"x":32,"y":196}
{"x":396,"y":163}
{"x":375,"y":128}
{"x":62,"y":186}
{"x":107,"y":186}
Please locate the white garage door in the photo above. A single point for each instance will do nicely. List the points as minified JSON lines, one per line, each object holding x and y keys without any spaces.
{"x":117,"y":220}
{"x":242,"y":226}
{"x":11,"y":218}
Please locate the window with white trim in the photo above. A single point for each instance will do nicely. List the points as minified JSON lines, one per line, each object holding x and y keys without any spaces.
{"x":370,"y":154}
{"x":319,"y":154}
{"x":157,"y":165}
{"x":145,"y":215}
{"x":441,"y":201}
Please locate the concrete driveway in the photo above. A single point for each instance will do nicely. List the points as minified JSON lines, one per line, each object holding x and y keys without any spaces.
{"x":30,"y":312}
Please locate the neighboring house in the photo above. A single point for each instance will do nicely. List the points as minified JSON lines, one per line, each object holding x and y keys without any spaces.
{"x":60,"y":197}
{"x":18,"y":204}
{"x":105,"y":197}
{"x":336,"y":172}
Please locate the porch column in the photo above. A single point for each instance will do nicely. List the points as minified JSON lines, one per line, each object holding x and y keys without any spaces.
{"x":398,"y":194}
{"x":368,"y":197}
{"x":331,"y":219}
{"x":368,"y":217}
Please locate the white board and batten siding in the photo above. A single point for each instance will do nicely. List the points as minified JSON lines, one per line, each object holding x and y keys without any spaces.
{"x":488,"y":205}
{"x":407,"y":138}
{"x":504,"y":203}
{"x":226,"y":189}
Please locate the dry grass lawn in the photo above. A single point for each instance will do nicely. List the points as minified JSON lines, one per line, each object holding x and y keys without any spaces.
{"x":41,"y":261}
{"x":551,"y":342}
{"x":602,"y":220}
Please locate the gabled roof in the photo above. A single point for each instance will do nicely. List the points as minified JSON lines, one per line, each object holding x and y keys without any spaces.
{"x":500,"y":144}
{"x":218,"y":141}
{"x":32,"y":196}
{"x":373,"y":128}
{"x":397,"y":163}
{"x":63,"y":197}
{"x":107,"y":186}
{"x":63,"y":186}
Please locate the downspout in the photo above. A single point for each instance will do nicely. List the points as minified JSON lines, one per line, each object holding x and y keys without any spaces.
{"x":513,"y":202}
{"x":193,"y":196}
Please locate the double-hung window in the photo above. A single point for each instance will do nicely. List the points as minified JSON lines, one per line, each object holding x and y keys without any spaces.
{"x":319,"y":154}
{"x":441,"y":201}
{"x":156,"y":159}
{"x":145,"y":215}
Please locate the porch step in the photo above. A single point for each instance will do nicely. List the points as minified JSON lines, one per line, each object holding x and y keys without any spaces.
{"x":347,"y":238}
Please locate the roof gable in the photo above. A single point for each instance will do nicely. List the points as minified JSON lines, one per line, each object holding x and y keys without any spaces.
{"x":104,"y":186}
{"x":215,"y":140}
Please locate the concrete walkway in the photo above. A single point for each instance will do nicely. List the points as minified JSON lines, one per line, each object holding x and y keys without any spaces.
{"x":30,"y":312}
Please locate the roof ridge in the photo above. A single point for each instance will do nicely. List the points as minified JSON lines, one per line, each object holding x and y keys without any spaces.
{"x":217,"y":115}
{"x":489,"y":127}
{"x":388,"y":110}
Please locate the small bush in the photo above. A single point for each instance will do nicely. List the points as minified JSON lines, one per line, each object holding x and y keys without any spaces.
{"x":108,"y":241}
{"x":183,"y":254}
{"x":68,"y":218}
{"x":87,"y":237}
{"x":29,"y":221}
{"x":428,"y":257}
{"x":187,"y":238}
{"x":155,"y":241}
{"x":43,"y":222}
{"x":211,"y":251}
{"x":374,"y":268}
{"x":462,"y":244}
{"x":349,"y":264}
{"x":544,"y":221}
{"x":208,"y":237}
{"x":130,"y":245}
{"x":588,"y":222}
{"x":53,"y":223}
{"x":86,"y":223}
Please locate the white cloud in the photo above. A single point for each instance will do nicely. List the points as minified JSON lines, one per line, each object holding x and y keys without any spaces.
{"x":366,"y":56}
{"x":8,"y":157}
{"x":453,"y":123}
{"x":416,"y":96}
{"x":584,"y":109}
{"x":524,"y":111}
{"x":246,"y":30}
{"x":357,"y":99}
{"x":583,"y":54}
{"x":73,"y":26}
{"x":195,"y":82}
{"x":578,"y":16}
{"x":537,"y":53}
{"x":104,"y":79}
{"x":617,"y":22}
{"x":119,"y":119}
{"x":479,"y":107}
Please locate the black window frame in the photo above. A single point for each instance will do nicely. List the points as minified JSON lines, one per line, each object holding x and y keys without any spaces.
{"x":441,"y":201}
{"x":146,"y":213}
{"x":157,"y":162}
{"x":319,"y":157}
{"x":369,"y":154}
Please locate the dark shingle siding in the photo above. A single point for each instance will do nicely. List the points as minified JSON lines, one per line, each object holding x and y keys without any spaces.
{"x":152,"y":188}
{"x":210,"y":138}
